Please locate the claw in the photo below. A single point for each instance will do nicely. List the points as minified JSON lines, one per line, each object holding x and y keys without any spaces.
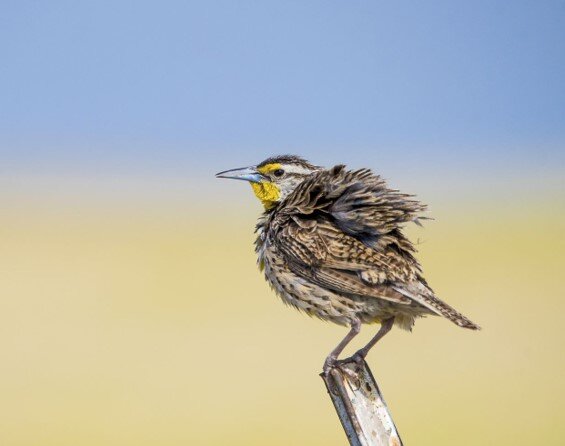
{"x":341,"y":366}
{"x":329,"y":363}
{"x":358,"y":358}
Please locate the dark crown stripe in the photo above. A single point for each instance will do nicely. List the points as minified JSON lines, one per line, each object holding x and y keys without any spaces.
{"x":286,"y":159}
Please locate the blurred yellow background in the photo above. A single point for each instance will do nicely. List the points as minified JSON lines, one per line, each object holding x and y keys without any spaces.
{"x":145,"y":321}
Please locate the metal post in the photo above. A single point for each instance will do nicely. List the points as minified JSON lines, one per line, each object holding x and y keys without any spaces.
{"x":360,"y":406}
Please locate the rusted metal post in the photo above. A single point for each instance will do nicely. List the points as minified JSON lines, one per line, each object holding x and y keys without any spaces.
{"x":360,"y":406}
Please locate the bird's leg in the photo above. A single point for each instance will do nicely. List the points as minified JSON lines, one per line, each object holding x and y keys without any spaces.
{"x":386,"y":325}
{"x":332,"y":357}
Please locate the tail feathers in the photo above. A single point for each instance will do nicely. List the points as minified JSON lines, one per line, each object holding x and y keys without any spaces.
{"x":439,"y":307}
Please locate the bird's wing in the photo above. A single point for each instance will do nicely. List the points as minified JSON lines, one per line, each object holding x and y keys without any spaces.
{"x":341,"y":229}
{"x":359,"y":202}
{"x":320,"y":252}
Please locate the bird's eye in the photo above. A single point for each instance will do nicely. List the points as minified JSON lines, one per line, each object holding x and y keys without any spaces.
{"x":278,"y":173}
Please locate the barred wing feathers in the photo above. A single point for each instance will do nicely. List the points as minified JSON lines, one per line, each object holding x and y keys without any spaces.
{"x":342,"y":230}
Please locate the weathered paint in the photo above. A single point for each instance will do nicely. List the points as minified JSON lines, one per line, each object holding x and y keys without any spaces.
{"x":360,"y":406}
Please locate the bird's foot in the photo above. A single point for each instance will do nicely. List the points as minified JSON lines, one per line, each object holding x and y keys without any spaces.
{"x":332,"y":362}
{"x":349,"y":367}
{"x":329,"y":363}
{"x":357,"y":358}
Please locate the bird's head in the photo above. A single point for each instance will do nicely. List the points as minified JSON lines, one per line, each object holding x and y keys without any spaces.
{"x":273,"y":179}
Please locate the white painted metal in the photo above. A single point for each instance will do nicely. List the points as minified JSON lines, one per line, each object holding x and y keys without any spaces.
{"x":360,"y":406}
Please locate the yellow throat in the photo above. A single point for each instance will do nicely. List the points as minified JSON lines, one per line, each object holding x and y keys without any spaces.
{"x":267,"y":192}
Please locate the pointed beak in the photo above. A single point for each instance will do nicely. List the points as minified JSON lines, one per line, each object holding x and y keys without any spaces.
{"x":244,"y":173}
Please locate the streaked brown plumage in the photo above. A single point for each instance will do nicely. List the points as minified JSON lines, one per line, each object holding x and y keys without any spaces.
{"x":331,"y":244}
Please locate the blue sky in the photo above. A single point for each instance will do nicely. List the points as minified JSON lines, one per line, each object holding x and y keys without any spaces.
{"x":179,"y":86}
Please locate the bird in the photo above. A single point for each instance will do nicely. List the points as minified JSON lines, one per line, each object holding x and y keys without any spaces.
{"x":331,"y":244}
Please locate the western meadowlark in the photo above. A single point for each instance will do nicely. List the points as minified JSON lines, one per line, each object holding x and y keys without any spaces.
{"x":330,"y":243}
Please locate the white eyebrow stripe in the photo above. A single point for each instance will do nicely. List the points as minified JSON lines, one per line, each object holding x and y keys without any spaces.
{"x":293,"y":168}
